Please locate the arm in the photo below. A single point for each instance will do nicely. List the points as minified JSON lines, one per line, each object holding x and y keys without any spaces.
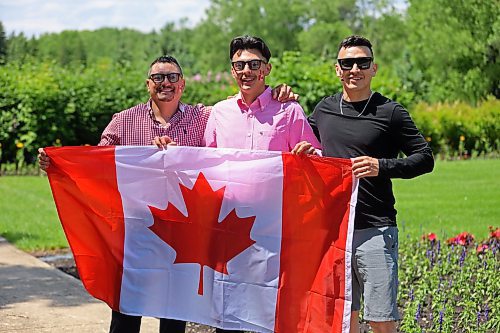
{"x":301,"y":135}
{"x":210,"y":135}
{"x":419,"y":158}
{"x":111,"y":134}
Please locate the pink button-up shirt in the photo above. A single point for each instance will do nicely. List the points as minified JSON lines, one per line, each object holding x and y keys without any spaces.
{"x":266,"y":124}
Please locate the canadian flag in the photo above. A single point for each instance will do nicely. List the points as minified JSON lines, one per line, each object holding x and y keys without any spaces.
{"x":236,"y":239}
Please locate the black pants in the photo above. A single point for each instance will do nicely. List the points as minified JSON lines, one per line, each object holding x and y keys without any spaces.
{"x":122,"y":323}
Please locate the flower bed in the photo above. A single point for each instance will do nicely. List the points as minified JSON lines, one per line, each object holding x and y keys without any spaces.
{"x":451,"y":286}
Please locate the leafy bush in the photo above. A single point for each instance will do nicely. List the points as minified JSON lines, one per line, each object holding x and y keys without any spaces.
{"x":459,"y":129}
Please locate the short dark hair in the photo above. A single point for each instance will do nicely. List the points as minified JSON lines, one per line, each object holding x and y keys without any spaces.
{"x":247,"y":43}
{"x":355,"y":40}
{"x":165,"y":59}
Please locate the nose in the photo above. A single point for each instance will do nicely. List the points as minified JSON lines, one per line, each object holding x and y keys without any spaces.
{"x":246,"y":68}
{"x":355,"y":68}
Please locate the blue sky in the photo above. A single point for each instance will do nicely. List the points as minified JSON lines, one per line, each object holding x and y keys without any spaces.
{"x":36,"y":17}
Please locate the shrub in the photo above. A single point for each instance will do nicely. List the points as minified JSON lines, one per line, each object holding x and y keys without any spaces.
{"x":459,"y":129}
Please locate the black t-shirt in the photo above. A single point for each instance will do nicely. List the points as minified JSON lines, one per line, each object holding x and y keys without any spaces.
{"x":382,"y":130}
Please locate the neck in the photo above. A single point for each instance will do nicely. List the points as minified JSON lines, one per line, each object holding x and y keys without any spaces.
{"x":356,"y":96}
{"x":164,"y":111}
{"x":250,"y":97}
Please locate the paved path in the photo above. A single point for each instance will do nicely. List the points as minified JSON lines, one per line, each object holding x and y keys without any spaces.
{"x":36,"y":297}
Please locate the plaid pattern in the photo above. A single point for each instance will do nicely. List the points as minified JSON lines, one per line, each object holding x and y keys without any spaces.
{"x":137,"y":126}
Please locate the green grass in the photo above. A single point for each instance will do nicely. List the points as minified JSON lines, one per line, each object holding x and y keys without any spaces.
{"x":28,"y":217}
{"x":458,"y":196}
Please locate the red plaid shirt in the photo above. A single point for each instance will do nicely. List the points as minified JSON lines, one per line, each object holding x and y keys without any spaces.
{"x":137,"y":126}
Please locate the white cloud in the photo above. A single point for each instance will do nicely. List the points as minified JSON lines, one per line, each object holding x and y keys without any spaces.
{"x":36,"y":17}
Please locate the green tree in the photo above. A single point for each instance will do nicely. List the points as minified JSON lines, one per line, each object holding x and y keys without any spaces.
{"x":453,"y":48}
{"x":3,"y":44}
{"x":17,"y":47}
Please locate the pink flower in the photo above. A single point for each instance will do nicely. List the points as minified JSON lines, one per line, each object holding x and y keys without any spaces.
{"x":481,"y":248}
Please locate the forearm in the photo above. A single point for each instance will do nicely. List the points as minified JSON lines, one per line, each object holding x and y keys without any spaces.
{"x":408,"y":167}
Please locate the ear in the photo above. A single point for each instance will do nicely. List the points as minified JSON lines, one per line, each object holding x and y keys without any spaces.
{"x":375,"y":69}
{"x":182,"y":84}
{"x":233,"y":73}
{"x":338,"y":70}
{"x":267,"y":69}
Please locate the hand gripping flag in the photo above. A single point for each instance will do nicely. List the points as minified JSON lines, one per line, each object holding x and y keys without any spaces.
{"x":241,"y":240}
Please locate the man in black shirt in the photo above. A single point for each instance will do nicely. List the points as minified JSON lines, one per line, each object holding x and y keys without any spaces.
{"x":371,"y":130}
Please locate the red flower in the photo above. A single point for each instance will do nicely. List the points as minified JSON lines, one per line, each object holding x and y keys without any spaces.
{"x":481,"y":248}
{"x":494,"y":234}
{"x":464,"y":239}
{"x":431,"y":237}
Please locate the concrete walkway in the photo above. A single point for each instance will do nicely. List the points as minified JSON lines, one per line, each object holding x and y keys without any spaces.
{"x":36,"y":297}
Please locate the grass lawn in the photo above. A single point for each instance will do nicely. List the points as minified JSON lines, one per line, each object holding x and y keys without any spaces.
{"x":458,"y":196}
{"x":28,"y":216}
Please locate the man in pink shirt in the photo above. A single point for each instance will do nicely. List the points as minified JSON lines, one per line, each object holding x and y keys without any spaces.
{"x":253,"y":120}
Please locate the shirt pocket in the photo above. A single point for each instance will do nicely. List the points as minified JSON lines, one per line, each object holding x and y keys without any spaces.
{"x":271,"y":139}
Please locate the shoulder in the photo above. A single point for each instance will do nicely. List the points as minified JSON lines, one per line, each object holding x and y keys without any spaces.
{"x":133,"y":112}
{"x":385,"y":102}
{"x":197,"y":111}
{"x":328,"y":103}
{"x":230,"y":102}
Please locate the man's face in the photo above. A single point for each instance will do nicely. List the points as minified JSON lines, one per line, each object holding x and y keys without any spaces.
{"x":356,"y":78}
{"x":164,"y":90}
{"x":249,"y":69}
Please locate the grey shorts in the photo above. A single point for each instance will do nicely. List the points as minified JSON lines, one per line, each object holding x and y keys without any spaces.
{"x":375,"y":273}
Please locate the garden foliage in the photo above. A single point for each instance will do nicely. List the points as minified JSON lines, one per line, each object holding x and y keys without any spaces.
{"x":451,"y":286}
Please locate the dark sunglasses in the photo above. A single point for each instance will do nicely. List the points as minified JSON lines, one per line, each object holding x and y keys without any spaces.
{"x":348,"y":63}
{"x":252,"y":64}
{"x":160,"y":77}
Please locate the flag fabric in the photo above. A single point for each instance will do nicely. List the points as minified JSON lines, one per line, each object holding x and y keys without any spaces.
{"x":236,"y":239}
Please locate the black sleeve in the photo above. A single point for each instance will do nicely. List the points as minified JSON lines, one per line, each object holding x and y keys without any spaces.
{"x":419,"y":158}
{"x":312,"y":121}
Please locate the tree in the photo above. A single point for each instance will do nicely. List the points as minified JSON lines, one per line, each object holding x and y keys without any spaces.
{"x":3,"y":45}
{"x":453,"y":48}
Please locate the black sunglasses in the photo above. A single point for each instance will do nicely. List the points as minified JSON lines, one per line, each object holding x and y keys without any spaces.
{"x":160,"y":77}
{"x":348,"y":63}
{"x":252,"y":64}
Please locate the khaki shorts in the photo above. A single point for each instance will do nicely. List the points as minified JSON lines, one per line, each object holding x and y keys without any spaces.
{"x":375,"y":273}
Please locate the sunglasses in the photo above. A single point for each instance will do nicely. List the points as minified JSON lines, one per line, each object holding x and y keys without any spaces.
{"x":160,"y":77}
{"x":252,"y":64}
{"x":348,"y":63}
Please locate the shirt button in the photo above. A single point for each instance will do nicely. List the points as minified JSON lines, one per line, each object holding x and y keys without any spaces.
{"x":250,"y":116}
{"x":248,"y":134}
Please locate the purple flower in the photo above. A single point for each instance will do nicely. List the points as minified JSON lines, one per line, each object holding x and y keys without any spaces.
{"x":462,"y":257}
{"x":417,"y":313}
{"x":441,"y":315}
{"x":486,"y":312}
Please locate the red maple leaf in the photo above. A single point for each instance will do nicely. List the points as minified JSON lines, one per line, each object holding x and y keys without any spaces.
{"x":199,"y":237}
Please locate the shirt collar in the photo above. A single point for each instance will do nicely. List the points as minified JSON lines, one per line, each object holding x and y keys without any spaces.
{"x":260,"y":102}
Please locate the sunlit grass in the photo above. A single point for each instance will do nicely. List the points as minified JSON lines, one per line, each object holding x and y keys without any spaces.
{"x":457,"y":196}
